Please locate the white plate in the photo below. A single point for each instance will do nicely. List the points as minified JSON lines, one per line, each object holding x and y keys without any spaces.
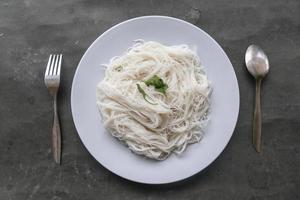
{"x":114,"y":155}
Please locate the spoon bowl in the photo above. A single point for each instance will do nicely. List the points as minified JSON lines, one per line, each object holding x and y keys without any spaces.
{"x":256,"y":61}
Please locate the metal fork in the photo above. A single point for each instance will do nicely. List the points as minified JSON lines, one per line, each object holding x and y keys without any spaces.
{"x":52,"y":79}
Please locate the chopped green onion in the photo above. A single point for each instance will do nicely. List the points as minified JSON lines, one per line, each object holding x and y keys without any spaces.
{"x":140,"y":89}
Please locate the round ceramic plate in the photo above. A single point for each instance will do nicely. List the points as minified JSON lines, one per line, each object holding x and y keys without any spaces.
{"x":114,"y":155}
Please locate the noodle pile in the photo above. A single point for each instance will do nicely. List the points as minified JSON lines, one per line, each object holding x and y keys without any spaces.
{"x":170,"y":121}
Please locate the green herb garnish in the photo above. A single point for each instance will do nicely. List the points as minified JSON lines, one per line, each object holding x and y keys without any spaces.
{"x":158,"y":84}
{"x":140,"y":89}
{"x":119,"y":68}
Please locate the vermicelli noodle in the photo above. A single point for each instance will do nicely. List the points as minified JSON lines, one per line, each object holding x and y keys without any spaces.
{"x":155,"y":122}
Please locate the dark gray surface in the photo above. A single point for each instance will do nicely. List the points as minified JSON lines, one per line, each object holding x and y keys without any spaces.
{"x":30,"y":30}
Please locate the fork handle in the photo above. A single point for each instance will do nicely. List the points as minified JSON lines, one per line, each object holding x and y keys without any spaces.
{"x":56,"y":135}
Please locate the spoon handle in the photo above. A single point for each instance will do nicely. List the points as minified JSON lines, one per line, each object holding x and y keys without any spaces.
{"x":257,"y":118}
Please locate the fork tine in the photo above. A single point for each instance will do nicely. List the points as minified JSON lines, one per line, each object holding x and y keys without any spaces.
{"x":48,"y":65}
{"x":52,"y":65}
{"x":59,"y":65}
{"x":55,"y":65}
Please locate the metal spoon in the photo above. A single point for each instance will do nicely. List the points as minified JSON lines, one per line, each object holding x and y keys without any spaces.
{"x":258,"y":65}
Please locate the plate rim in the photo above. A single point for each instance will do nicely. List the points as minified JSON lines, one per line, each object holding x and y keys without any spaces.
{"x":170,"y":18}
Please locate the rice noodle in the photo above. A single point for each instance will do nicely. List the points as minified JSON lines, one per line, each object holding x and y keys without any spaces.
{"x":176,"y":119}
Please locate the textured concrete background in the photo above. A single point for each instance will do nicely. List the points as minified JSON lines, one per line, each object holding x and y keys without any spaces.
{"x":32,"y":29}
